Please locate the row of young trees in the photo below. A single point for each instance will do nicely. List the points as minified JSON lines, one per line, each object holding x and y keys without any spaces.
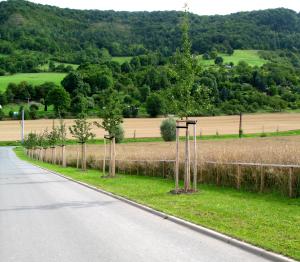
{"x":180,"y":94}
{"x":81,"y":130}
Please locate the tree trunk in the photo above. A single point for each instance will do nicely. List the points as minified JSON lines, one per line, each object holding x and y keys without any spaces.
{"x":63,"y":156}
{"x":83,"y":156}
{"x":104,"y":158}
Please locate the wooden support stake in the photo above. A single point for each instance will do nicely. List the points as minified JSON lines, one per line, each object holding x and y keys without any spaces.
{"x":77,"y":162}
{"x":177,"y":161}
{"x":195,"y":160}
{"x":104,"y":158}
{"x":63,"y":156}
{"x":113,"y":157}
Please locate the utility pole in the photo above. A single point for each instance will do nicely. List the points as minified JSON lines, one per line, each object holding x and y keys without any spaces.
{"x":241,"y":125}
{"x":22,"y":127}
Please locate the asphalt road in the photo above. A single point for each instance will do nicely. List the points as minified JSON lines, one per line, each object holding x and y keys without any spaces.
{"x":44,"y":217}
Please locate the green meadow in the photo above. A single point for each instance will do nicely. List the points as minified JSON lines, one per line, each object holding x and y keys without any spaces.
{"x":251,"y":57}
{"x":32,"y":78}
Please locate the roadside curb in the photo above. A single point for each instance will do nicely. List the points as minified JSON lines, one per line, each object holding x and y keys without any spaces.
{"x":200,"y":229}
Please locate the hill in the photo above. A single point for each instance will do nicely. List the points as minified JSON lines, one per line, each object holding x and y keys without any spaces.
{"x":76,"y":36}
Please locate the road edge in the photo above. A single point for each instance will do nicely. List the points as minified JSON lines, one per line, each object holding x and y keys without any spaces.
{"x":200,"y":229}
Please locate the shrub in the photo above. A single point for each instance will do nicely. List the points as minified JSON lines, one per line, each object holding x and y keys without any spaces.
{"x":168,"y":129}
{"x":119,"y":135}
{"x":1,"y":114}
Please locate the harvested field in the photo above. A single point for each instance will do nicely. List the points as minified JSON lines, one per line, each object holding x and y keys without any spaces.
{"x":149,"y":127}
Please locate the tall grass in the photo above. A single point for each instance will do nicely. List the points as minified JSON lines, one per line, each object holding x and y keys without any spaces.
{"x":157,"y":159}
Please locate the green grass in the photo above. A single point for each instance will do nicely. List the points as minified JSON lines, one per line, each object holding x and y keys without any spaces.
{"x":249,"y":56}
{"x":32,"y":78}
{"x":121,"y":59}
{"x":266,"y":220}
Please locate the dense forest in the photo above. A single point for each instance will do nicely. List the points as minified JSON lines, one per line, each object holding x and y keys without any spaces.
{"x":32,"y":35}
{"x":77,"y":36}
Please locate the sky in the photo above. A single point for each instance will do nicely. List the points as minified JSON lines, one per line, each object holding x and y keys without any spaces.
{"x":201,"y":7}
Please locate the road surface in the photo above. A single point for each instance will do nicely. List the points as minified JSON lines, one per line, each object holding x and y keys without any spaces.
{"x":44,"y":217}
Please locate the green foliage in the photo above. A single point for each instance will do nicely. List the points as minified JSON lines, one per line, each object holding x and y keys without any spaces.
{"x":119,"y":134}
{"x":2,"y":115}
{"x":79,"y":105}
{"x":168,"y":129}
{"x":219,"y":60}
{"x":62,"y":133}
{"x":33,"y":110}
{"x":111,"y":112}
{"x":155,"y":105}
{"x":60,"y":99}
{"x":82,"y":130}
{"x":31,"y":140}
{"x":184,"y":67}
{"x":26,"y":113}
{"x":53,"y":136}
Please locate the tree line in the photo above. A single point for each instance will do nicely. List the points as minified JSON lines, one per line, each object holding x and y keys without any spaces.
{"x":77,"y":36}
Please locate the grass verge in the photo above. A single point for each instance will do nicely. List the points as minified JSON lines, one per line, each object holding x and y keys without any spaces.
{"x":266,"y":220}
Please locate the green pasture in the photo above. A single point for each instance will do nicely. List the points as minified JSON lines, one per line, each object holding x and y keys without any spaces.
{"x":251,"y":57}
{"x":31,"y":78}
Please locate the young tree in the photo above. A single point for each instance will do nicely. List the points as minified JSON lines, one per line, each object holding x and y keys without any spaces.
{"x":81,"y":130}
{"x":30,"y":143}
{"x":62,"y":132}
{"x":53,"y":138}
{"x":182,"y":94}
{"x":42,"y":144}
{"x":111,"y":115}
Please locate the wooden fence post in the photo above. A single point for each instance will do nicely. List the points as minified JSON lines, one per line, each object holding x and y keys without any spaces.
{"x":262,"y":179}
{"x":290,"y":182}
{"x":218,"y":177}
{"x":238,"y":180}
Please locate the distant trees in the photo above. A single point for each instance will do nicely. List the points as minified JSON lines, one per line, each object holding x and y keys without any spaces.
{"x":155,"y":105}
{"x":60,"y":99}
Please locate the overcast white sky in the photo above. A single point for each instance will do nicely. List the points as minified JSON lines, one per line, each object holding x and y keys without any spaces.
{"x":203,"y":7}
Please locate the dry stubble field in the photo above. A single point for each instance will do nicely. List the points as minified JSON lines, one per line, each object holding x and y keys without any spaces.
{"x":149,"y":127}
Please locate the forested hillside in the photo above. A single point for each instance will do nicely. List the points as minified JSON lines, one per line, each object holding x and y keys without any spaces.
{"x":132,"y":54}
{"x":76,"y":35}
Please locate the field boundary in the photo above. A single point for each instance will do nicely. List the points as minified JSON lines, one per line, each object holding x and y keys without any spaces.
{"x":200,"y":229}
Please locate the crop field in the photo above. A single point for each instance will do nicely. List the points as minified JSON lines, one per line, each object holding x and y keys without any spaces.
{"x":32,"y":78}
{"x":149,"y":127}
{"x":273,"y":150}
{"x":251,"y":57}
